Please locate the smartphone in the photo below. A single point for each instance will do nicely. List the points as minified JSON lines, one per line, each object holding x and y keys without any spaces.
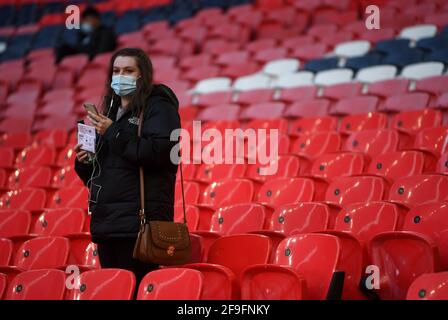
{"x":91,"y":107}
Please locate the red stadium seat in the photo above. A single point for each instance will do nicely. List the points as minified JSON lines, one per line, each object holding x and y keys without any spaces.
{"x":366,"y":220}
{"x":312,"y":125}
{"x":433,"y":140}
{"x":219,"y":112}
{"x":59,"y":222}
{"x":397,"y":164}
{"x":349,"y":190}
{"x":55,"y":137}
{"x":416,"y":190}
{"x":6,"y":157}
{"x":343,"y":90}
{"x":66,"y":177}
{"x":405,"y":102}
{"x":83,"y":254}
{"x":104,"y":284}
{"x":227,"y":192}
{"x":215,"y":172}
{"x":66,"y":157}
{"x":331,"y":166}
{"x":414,"y":121}
{"x":192,"y":213}
{"x":311,"y":146}
{"x":3,"y":284}
{"x":308,"y":108}
{"x":74,"y":197}
{"x":27,"y":199}
{"x":287,"y":166}
{"x":281,"y":191}
{"x":266,"y":110}
{"x":279,"y":124}
{"x":14,"y":223}
{"x":430,"y":219}
{"x":214,"y":98}
{"x":429,"y":286}
{"x":361,"y":122}
{"x":254,"y":96}
{"x":400,"y":257}
{"x":36,"y":156}
{"x":442,"y":164}
{"x":372,"y":142}
{"x":45,"y":284}
{"x":434,"y":85}
{"x":387,"y":88}
{"x":6,"y":251}
{"x":159,"y":285}
{"x":290,"y":95}
{"x":355,"y":105}
{"x":33,"y":177}
{"x":15,"y":140}
{"x":191,"y":191}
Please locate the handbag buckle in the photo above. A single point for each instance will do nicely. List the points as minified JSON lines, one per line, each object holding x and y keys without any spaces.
{"x":142,"y":217}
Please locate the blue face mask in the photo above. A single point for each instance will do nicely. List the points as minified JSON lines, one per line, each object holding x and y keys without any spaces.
{"x":123,"y":85}
{"x":86,"y":27}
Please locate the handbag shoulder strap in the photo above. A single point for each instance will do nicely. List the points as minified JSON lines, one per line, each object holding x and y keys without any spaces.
{"x":142,"y":179}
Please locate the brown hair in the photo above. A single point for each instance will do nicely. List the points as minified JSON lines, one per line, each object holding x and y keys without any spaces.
{"x":139,"y":98}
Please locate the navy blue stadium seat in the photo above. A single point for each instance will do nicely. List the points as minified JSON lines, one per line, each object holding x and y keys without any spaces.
{"x":368,"y":60}
{"x":392,"y":46}
{"x":7,"y":15}
{"x":404,"y":57}
{"x":48,"y":36}
{"x":28,"y":14}
{"x":128,"y":22}
{"x":434,"y":43}
{"x":155,"y":14}
{"x":439,"y":55}
{"x":108,"y":18}
{"x":317,"y":65}
{"x":180,"y":14}
{"x":17,"y":47}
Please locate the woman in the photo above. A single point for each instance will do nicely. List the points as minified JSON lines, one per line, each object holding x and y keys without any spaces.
{"x":112,"y":176}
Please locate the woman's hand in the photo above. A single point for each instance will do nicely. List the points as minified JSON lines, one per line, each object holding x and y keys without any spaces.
{"x":100,"y":122}
{"x":81,"y":155}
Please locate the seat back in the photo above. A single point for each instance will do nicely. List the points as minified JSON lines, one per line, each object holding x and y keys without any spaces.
{"x":238,"y":218}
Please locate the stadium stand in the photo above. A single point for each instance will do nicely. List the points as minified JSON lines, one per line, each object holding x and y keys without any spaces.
{"x":362,"y":172}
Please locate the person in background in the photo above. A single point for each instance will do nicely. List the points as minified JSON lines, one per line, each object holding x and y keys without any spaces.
{"x":92,"y":38}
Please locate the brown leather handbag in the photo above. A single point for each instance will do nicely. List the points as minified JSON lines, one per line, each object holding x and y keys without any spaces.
{"x":161,"y":242}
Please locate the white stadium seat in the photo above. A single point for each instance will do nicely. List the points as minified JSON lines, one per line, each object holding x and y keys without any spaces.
{"x":418,"y":32}
{"x":297,"y":79}
{"x":376,"y":73}
{"x":333,"y":76}
{"x":252,"y":82}
{"x":213,"y":85}
{"x":352,"y":48}
{"x":422,"y":70}
{"x":280,"y":67}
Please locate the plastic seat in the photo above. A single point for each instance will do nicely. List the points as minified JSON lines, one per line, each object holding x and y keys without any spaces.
{"x":213,"y":85}
{"x":308,"y":108}
{"x":104,"y":284}
{"x":191,"y":191}
{"x":397,"y":164}
{"x":360,"y":122}
{"x":434,"y":85}
{"x":287,"y":166}
{"x":355,"y":105}
{"x":393,"y":45}
{"x":310,"y":51}
{"x":412,"y":122}
{"x":227,"y":192}
{"x":254,"y":96}
{"x":321,"y":64}
{"x":366,"y":220}
{"x":214,"y":172}
{"x":15,"y":140}
{"x":7,"y":248}
{"x":311,"y":146}
{"x":314,"y":258}
{"x":69,"y":197}
{"x":46,"y":284}
{"x":36,"y":156}
{"x":432,"y":140}
{"x":403,"y":58}
{"x":31,"y":199}
{"x":66,"y":177}
{"x":419,"y":189}
{"x":3,"y":284}
{"x":266,"y":110}
{"x":277,"y":124}
{"x":252,"y":82}
{"x":430,"y":219}
{"x":59,"y":222}
{"x":55,"y":137}
{"x":372,"y":142}
{"x":349,"y":190}
{"x":159,"y":285}
{"x":281,"y":191}
{"x":376,"y":73}
{"x":429,"y":286}
{"x":293,"y":80}
{"x":401,"y":257}
{"x":281,"y":67}
{"x":442,"y":164}
{"x":312,"y":125}
{"x":297,"y":93}
{"x":33,"y":177}
{"x":386,"y":88}
{"x":422,"y":70}
{"x":405,"y":102}
{"x":66,"y":156}
{"x":331,"y":166}
{"x":220,"y":112}
{"x":333,"y":76}
{"x":14,"y":223}
{"x":352,"y":48}
{"x":343,"y":90}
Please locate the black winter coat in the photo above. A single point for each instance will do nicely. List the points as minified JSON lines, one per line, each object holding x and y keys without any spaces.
{"x":113,"y":180}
